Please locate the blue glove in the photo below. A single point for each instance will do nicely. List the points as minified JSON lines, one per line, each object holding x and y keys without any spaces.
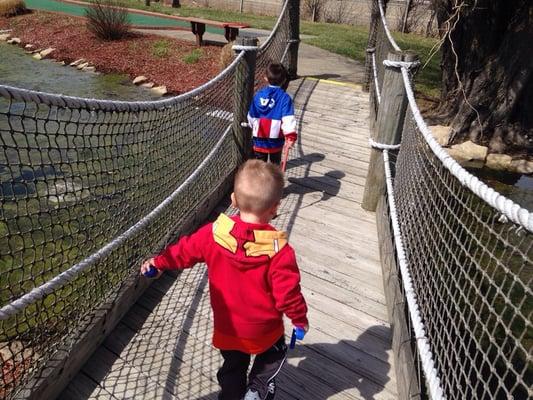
{"x":297,"y":333}
{"x":152,"y":272}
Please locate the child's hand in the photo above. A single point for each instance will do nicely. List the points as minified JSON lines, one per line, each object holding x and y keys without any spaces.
{"x":289,"y":144}
{"x":147,"y":266}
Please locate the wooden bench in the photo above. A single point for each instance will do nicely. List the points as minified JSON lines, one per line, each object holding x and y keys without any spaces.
{"x":231,"y":29}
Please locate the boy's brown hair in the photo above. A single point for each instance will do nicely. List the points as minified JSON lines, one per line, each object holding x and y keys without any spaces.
{"x":276,"y":74}
{"x":258,"y":186}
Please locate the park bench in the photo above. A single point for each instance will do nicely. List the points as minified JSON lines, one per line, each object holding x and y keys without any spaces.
{"x":231,"y":29}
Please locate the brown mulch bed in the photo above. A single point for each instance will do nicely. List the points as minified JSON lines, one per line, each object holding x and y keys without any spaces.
{"x":133,"y":56}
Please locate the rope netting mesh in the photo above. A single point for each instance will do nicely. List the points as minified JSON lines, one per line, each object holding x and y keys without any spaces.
{"x":466,"y":263}
{"x":89,"y":188}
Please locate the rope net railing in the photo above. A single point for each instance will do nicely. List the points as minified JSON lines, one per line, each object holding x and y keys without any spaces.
{"x":90,"y":187}
{"x":465,"y":258}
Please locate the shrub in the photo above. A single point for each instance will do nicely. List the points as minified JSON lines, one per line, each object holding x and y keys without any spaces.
{"x":161,"y":48}
{"x":9,"y":8}
{"x":107,"y":19}
{"x":193,"y":57}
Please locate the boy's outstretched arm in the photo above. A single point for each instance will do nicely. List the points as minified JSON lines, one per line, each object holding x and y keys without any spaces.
{"x":285,"y":281}
{"x":185,"y":253}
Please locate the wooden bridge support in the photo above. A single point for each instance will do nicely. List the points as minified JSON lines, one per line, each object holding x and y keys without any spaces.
{"x":294,"y":38}
{"x":243,"y":95}
{"x":389,"y":127}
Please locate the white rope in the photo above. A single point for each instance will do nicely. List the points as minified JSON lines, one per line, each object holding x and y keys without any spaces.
{"x":507,"y":207}
{"x":240,"y":47}
{"x":278,"y":22}
{"x":375,"y":73}
{"x":383,"y":146}
{"x":422,"y":343}
{"x":68,"y":275}
{"x":386,"y":27}
{"x":401,"y":64}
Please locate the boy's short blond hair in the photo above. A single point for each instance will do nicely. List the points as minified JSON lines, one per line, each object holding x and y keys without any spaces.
{"x":258,"y":186}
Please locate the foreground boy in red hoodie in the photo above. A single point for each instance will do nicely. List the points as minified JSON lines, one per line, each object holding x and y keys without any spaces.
{"x":253,"y":281}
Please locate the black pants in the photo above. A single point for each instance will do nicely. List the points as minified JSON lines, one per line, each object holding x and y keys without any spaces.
{"x":232,"y":375}
{"x":275,"y":158}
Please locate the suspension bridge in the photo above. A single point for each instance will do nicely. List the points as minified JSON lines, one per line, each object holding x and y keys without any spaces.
{"x":417,"y":275}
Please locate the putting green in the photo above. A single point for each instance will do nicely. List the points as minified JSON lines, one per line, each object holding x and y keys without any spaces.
{"x":134,"y":18}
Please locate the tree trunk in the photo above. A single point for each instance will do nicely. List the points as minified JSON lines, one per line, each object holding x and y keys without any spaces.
{"x":487,"y":72}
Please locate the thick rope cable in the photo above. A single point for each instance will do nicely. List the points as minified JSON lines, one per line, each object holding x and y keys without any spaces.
{"x":375,"y":73}
{"x":383,"y":146}
{"x":60,"y":100}
{"x":60,"y":280}
{"x":507,"y":207}
{"x":275,"y":28}
{"x":422,"y":342}
{"x":401,"y":64}
{"x":386,"y":27}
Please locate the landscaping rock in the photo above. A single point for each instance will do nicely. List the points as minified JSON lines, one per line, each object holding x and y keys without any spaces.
{"x":499,"y":162}
{"x":5,"y":31}
{"x":77,"y":62}
{"x":89,"y":69}
{"x":38,"y":56}
{"x":522,"y":166}
{"x":441,"y":133}
{"x":4,"y":36}
{"x":62,"y":63}
{"x":46,"y":52}
{"x":29,"y":47}
{"x":140,"y":79}
{"x":464,"y":159}
{"x":160,"y":90}
{"x":82,"y":65}
{"x":148,"y":85}
{"x":471,"y":151}
{"x":14,"y":40}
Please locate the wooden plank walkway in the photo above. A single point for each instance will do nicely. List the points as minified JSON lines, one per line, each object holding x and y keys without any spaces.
{"x":162,"y":348}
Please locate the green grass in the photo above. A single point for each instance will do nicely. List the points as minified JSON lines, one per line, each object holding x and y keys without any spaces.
{"x":193,"y":57}
{"x":346,"y":40}
{"x":161,"y":48}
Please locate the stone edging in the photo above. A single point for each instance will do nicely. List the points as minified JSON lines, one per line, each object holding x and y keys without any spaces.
{"x":81,"y":64}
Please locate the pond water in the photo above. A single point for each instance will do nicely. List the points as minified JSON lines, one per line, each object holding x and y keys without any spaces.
{"x":516,"y":187}
{"x":19,"y":69}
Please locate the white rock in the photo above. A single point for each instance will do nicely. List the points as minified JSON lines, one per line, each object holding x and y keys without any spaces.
{"x":82,"y":65}
{"x":29,"y":47}
{"x":89,"y":69}
{"x":471,"y":151}
{"x":140,"y":79}
{"x":500,"y":162}
{"x":4,"y":36}
{"x":441,"y":133}
{"x":160,"y":90}
{"x":38,"y":56}
{"x":5,"y":30}
{"x":61,"y":63}
{"x":522,"y":166}
{"x":14,"y":40}
{"x":77,"y":62}
{"x":148,"y":85}
{"x":46,"y":52}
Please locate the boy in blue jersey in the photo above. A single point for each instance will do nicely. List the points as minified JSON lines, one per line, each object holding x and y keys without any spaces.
{"x":271,"y":117}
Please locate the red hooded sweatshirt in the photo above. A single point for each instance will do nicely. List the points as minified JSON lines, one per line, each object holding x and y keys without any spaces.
{"x":253,"y":281}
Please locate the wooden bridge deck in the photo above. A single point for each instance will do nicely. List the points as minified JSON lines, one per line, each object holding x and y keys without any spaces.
{"x":162,"y":350}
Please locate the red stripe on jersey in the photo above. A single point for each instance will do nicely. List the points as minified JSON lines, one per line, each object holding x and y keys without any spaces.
{"x":264,"y":128}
